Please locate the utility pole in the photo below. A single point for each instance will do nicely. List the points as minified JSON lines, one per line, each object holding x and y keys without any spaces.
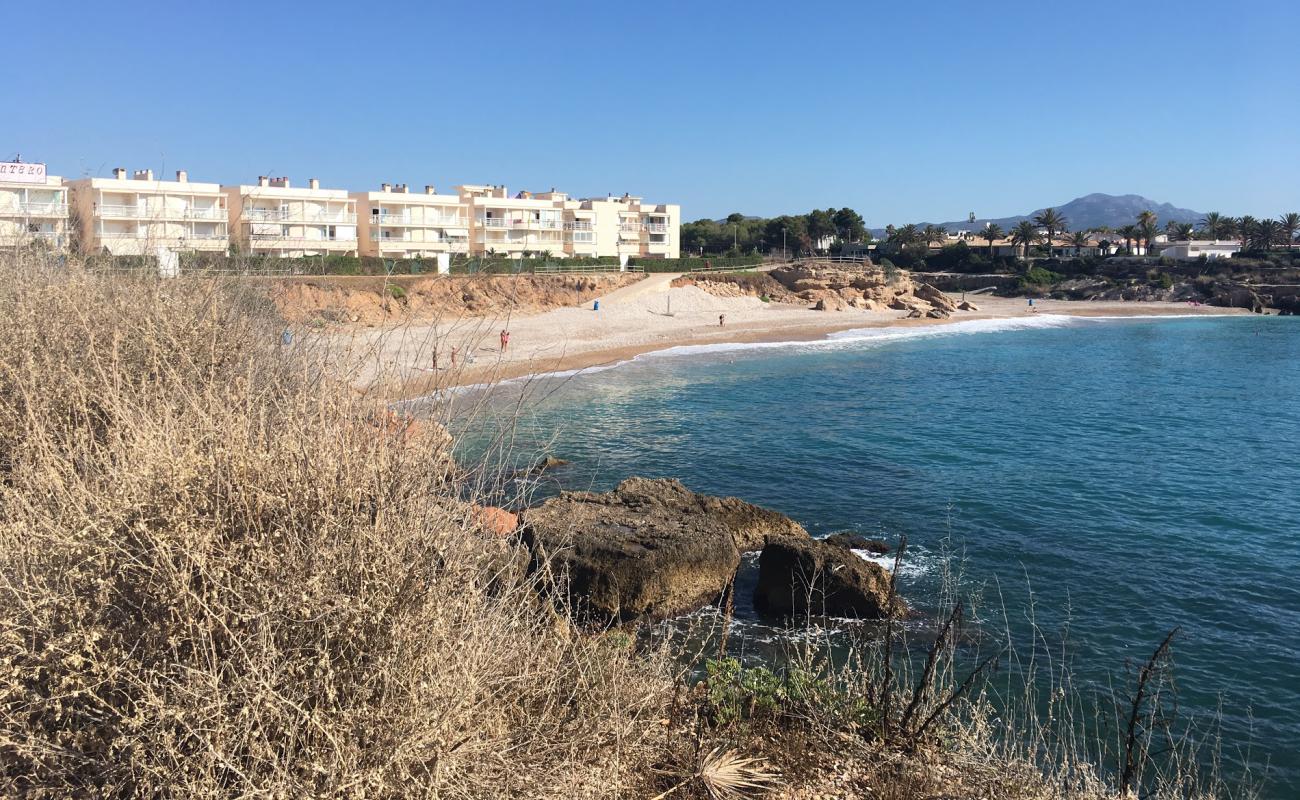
{"x":735,"y":240}
{"x":785,"y":254}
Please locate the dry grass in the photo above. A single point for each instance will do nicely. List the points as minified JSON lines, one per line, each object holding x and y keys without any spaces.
{"x":221,"y":578}
{"x":223,"y":573}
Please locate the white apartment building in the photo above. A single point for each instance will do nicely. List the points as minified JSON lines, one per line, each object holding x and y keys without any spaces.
{"x":551,"y":222}
{"x":142,"y":215}
{"x":138,"y":215}
{"x":277,"y":219}
{"x":33,"y":206}
{"x":628,"y":226}
{"x":505,"y":225}
{"x":397,"y":223}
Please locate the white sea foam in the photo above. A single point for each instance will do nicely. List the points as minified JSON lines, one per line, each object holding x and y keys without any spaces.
{"x":914,"y":564}
{"x":857,"y":337}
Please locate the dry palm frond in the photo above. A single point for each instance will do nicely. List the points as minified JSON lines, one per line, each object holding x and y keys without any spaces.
{"x":726,"y":775}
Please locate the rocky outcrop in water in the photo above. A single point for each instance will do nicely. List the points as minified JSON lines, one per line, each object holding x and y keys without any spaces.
{"x":799,"y":577}
{"x":854,"y":541}
{"x":648,"y":549}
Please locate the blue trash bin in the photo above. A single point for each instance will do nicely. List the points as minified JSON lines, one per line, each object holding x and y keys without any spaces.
{"x":595,"y":306}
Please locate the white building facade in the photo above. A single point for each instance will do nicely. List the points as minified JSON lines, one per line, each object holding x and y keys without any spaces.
{"x":274,"y":218}
{"x":140,"y":214}
{"x":1194,"y":250}
{"x":33,"y":207}
{"x":397,"y":223}
{"x":143,"y":215}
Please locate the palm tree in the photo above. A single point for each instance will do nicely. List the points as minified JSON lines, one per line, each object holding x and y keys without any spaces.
{"x":1179,"y":231}
{"x":1216,"y":225}
{"x":1078,"y":240}
{"x":1026,"y":235}
{"x":992,"y":232}
{"x":907,"y":235}
{"x":933,"y":233}
{"x":1129,"y":232}
{"x":1268,"y":232}
{"x":1289,"y":223}
{"x":1248,"y":230}
{"x":1050,"y":220}
{"x":1146,"y":221}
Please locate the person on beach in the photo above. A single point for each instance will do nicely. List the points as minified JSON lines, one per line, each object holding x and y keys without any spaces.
{"x":505,"y":340}
{"x":453,"y":358}
{"x":435,"y":359}
{"x":722,"y":319}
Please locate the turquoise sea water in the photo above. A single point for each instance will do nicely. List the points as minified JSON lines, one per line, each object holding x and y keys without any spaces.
{"x":1128,"y":475}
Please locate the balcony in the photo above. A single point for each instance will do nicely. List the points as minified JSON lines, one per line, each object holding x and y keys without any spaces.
{"x":656,"y":227}
{"x":630,"y":227}
{"x":300,"y":240}
{"x":30,"y":209}
{"x":293,"y":215}
{"x":577,"y":226}
{"x":213,"y":213}
{"x":265,"y":214}
{"x":119,"y":212}
{"x":524,"y":224}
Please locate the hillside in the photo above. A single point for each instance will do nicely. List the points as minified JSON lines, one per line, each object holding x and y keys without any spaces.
{"x":1092,"y":211}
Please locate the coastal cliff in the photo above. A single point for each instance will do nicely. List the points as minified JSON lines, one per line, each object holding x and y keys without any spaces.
{"x":831,"y":286}
{"x":344,"y":300}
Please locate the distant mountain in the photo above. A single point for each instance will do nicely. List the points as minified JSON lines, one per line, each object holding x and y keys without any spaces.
{"x":1091,"y":211}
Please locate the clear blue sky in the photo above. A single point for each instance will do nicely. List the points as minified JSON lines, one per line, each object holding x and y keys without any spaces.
{"x":904,"y":111}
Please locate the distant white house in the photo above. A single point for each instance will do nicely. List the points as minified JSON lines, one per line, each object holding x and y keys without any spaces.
{"x":1193,"y":250}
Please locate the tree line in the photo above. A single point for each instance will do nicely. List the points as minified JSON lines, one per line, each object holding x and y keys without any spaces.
{"x":822,"y":230}
{"x":795,"y":234}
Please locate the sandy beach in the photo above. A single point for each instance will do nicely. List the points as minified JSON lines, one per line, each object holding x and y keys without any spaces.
{"x":647,"y":316}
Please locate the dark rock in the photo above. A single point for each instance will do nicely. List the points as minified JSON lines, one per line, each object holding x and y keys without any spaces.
{"x":549,"y":462}
{"x":649,"y":549}
{"x":821,"y":305}
{"x":937,"y":313}
{"x":1238,"y":297}
{"x":967,"y":305}
{"x":751,"y":526}
{"x":854,"y":541}
{"x":798,"y":577}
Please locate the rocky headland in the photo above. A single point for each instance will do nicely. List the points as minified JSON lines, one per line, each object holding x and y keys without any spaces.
{"x":831,"y":286}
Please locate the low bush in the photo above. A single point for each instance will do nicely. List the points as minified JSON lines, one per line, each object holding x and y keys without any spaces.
{"x":693,"y":264}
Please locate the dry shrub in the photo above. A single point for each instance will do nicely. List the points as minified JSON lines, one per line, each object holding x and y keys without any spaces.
{"x":220,"y":577}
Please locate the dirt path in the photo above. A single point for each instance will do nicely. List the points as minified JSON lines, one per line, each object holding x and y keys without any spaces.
{"x":651,"y":284}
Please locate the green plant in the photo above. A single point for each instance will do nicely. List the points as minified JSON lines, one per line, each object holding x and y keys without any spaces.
{"x":1039,"y":276}
{"x":397,"y":292}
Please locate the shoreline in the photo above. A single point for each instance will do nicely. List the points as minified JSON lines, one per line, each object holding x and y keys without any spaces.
{"x":573,"y":340}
